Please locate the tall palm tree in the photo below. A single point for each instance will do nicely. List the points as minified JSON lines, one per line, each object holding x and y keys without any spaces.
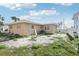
{"x":1,"y":20}
{"x":15,"y":18}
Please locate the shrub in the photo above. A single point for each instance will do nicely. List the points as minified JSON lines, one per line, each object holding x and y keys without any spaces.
{"x":36,"y":46}
{"x":13,"y":37}
{"x":42,"y":32}
{"x":17,"y":35}
{"x":48,"y":33}
{"x":2,"y":47}
{"x":70,"y":37}
{"x":10,"y":36}
{"x":75,"y":34}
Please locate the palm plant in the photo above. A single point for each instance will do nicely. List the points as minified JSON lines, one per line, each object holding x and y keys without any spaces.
{"x":1,"y":20}
{"x":15,"y":18}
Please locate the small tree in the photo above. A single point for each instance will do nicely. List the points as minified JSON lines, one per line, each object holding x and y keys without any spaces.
{"x":15,"y":18}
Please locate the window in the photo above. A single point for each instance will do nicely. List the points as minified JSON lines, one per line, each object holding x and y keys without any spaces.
{"x":32,"y":27}
{"x":46,"y":27}
{"x":41,"y":27}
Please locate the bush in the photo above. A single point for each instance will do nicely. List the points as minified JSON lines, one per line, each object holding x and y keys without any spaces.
{"x":8,"y":36}
{"x":70,"y":37}
{"x":17,"y":35}
{"x":42,"y":32}
{"x":35,"y":46}
{"x":2,"y":39}
{"x":75,"y":34}
{"x":13,"y":36}
{"x":2,"y":47}
{"x":48,"y":33}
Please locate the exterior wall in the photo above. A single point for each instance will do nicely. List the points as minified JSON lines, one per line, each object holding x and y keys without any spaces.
{"x":51,"y":28}
{"x":24,"y":28}
{"x":20,"y":28}
{"x":36,"y":28}
{"x":28,"y":29}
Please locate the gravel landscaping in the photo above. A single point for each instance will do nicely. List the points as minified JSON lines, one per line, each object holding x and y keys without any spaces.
{"x":44,"y":40}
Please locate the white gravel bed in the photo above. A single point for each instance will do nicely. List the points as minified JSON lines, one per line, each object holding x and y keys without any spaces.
{"x":18,"y":43}
{"x":44,"y":40}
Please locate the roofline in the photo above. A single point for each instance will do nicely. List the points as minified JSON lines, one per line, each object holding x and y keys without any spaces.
{"x":25,"y":22}
{"x":33,"y":23}
{"x":30,"y":22}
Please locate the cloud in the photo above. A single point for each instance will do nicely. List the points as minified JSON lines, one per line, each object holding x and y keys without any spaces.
{"x":17,"y":6}
{"x":44,"y":13}
{"x":66,"y":4}
{"x":24,"y":17}
{"x":37,"y":16}
{"x":40,"y":13}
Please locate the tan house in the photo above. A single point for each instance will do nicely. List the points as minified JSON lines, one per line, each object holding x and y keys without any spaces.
{"x":28,"y":28}
{"x":50,"y":28}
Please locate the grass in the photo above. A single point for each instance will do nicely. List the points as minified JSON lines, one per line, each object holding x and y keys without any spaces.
{"x":2,"y":47}
{"x":58,"y":48}
{"x":10,"y":36}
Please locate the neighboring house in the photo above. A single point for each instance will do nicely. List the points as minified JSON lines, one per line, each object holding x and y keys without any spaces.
{"x":50,"y":28}
{"x":4,"y":28}
{"x":76,"y":23}
{"x":28,"y":28}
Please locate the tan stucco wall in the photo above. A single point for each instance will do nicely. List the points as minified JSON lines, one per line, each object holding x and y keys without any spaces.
{"x":52,"y":28}
{"x":26,"y":28}
{"x":21,"y":30}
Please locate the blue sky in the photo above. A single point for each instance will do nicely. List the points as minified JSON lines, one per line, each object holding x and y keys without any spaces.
{"x":41,"y":12}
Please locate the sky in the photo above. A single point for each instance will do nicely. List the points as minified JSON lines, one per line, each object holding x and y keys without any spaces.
{"x":40,"y":12}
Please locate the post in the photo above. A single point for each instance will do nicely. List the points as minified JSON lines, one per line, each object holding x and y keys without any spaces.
{"x":35,"y":32}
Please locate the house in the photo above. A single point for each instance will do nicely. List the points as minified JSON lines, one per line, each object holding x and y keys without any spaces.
{"x":27,"y":28}
{"x":50,"y":28}
{"x":76,"y":23}
{"x":74,"y":31}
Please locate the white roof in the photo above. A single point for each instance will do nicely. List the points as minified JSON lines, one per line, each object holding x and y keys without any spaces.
{"x":26,"y":21}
